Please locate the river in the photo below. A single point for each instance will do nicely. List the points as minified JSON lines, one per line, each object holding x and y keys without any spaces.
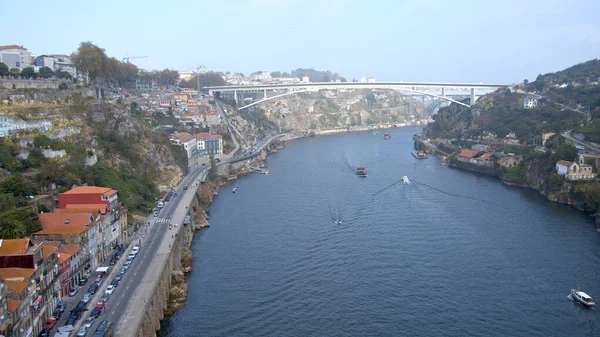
{"x":453,"y":253}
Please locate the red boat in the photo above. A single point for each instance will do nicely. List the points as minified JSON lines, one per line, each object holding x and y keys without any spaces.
{"x":387,"y":136}
{"x":361,"y":172}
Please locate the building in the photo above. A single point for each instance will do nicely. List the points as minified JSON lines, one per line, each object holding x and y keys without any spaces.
{"x":575,"y":171}
{"x":11,"y":59}
{"x":546,"y":136}
{"x":45,"y":61}
{"x":510,"y":161}
{"x":371,"y":80}
{"x":209,"y":143}
{"x":63,"y":63}
{"x":530,"y":102}
{"x":24,"y":55}
{"x":5,"y":320}
{"x":211,"y":117}
{"x":480,"y":147}
{"x":187,"y":141}
{"x":86,"y":195}
{"x":485,"y":159}
{"x":467,"y":155}
{"x":305,"y":79}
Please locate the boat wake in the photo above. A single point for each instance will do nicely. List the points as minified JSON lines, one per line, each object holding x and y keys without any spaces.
{"x":457,"y":195}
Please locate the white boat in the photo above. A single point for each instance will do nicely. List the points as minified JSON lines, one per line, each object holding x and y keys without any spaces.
{"x":235,"y":189}
{"x":405,"y":180}
{"x":583,"y":298}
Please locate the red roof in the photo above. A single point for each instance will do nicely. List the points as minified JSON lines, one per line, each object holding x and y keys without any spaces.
{"x":14,"y":246}
{"x":204,"y":135}
{"x":91,"y":190}
{"x":183,"y":137}
{"x":565,"y":163}
{"x":12,"y":46}
{"x":484,"y":156}
{"x":209,"y":112}
{"x":467,"y":153}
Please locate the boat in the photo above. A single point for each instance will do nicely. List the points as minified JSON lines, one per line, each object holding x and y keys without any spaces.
{"x":405,"y":180}
{"x":419,"y":155}
{"x":338,"y":222}
{"x":583,"y":298}
{"x":235,"y":189}
{"x":387,"y":136}
{"x":361,"y":172}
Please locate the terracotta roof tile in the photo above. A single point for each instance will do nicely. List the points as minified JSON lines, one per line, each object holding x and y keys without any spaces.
{"x":62,"y":229}
{"x":12,"y":46}
{"x":14,"y":247}
{"x":91,"y":190}
{"x":564,"y":162}
{"x":48,"y":250}
{"x":63,"y":257}
{"x":11,"y":273}
{"x":16,"y":286}
{"x":467,"y":153}
{"x":484,"y":156}
{"x":12,"y":304}
{"x":59,"y":219}
{"x":204,"y":135}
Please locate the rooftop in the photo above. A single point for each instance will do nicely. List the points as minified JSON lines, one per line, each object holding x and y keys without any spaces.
{"x":16,"y":273}
{"x":69,"y":249}
{"x":12,"y":304}
{"x":91,"y":190}
{"x":79,"y":219}
{"x":467,"y":153}
{"x":564,"y":162}
{"x":48,"y":250}
{"x":16,"y":286}
{"x":62,"y":229}
{"x":204,"y":135}
{"x":484,"y":156}
{"x":14,"y":247}
{"x":12,"y":46}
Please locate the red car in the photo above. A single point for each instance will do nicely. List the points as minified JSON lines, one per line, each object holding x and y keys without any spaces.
{"x":50,"y":322}
{"x":100,"y":304}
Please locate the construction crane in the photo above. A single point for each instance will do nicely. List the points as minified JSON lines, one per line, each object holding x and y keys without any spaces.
{"x":126,"y":59}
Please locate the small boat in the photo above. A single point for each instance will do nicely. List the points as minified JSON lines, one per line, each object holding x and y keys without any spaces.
{"x":387,"y":136}
{"x":583,"y":298}
{"x":338,"y":222}
{"x":361,"y":172}
{"x":419,"y":155}
{"x":264,"y":172}
{"x":235,"y":189}
{"x":405,"y":180}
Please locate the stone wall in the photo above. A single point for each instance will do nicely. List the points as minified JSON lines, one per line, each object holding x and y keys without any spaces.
{"x":28,"y":84}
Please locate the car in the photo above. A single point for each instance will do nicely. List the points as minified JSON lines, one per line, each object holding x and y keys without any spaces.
{"x":175,"y":194}
{"x":218,"y":160}
{"x":44,"y":333}
{"x":105,"y":297}
{"x":114,"y":282}
{"x":80,"y":305}
{"x":118,"y":277}
{"x":122,"y":270}
{"x":95,"y":313}
{"x":83,"y":281}
{"x":86,"y":297}
{"x":88,"y":322}
{"x":131,"y":256}
{"x":112,"y":262}
{"x":93,"y":288}
{"x":50,"y":322}
{"x":184,"y":188}
{"x":203,"y":164}
{"x":127,"y":264}
{"x":73,"y":292}
{"x":110,"y":289}
{"x":82,"y":332}
{"x":98,"y":281}
{"x":61,"y":306}
{"x":155,"y":214}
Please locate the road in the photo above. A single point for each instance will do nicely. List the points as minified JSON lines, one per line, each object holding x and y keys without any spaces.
{"x":230,"y":128}
{"x":117,"y":304}
{"x":568,"y":136}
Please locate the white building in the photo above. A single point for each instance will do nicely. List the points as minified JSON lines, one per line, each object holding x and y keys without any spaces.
{"x":530,"y":102}
{"x":211,"y":117}
{"x":305,"y":79}
{"x":363,"y":80}
{"x":25,"y":56}
{"x":371,"y":79}
{"x":187,"y":141}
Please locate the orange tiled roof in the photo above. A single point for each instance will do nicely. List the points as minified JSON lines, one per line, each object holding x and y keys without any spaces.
{"x":182,"y":137}
{"x":69,"y":249}
{"x":91,"y":190}
{"x":467,"y":153}
{"x":12,"y":304}
{"x":11,"y":273}
{"x":564,"y":162}
{"x":62,"y":229}
{"x":204,"y":135}
{"x":59,"y":219}
{"x":75,"y":208}
{"x":14,"y":247}
{"x":484,"y":156}
{"x":48,"y":250}
{"x":12,"y":46}
{"x":63,"y":257}
{"x":16,"y":286}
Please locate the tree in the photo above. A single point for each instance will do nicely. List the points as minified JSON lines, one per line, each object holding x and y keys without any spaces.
{"x":62,"y":74}
{"x":11,"y":229}
{"x":566,"y":152}
{"x":45,"y":72}
{"x":90,"y":60}
{"x":276,"y":74}
{"x":3,"y":69}
{"x":15,"y":72}
{"x":28,"y":73}
{"x":526,"y":81}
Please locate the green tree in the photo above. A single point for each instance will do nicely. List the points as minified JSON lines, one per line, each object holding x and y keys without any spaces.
{"x":3,"y":69}
{"x":15,"y":72}
{"x":276,"y":74}
{"x":11,"y":229}
{"x":90,"y":60}
{"x":17,"y":185}
{"x":63,"y":86}
{"x":566,"y":152}
{"x":45,"y":72}
{"x":28,"y":72}
{"x":62,"y":74}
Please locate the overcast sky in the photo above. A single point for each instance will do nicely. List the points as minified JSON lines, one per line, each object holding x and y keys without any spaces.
{"x":393,"y":40}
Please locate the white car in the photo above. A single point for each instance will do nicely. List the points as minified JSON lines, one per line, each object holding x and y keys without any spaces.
{"x":131,"y":256}
{"x":110,"y":289}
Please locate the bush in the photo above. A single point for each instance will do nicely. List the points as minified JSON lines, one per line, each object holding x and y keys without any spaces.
{"x":63,"y":86}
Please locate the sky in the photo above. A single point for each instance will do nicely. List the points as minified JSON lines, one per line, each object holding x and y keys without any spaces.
{"x":485,"y":41}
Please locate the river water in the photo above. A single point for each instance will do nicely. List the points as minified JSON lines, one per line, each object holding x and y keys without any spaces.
{"x":453,"y":253}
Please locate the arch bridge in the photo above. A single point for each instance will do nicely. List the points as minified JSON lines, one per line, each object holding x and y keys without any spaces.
{"x":438,"y":90}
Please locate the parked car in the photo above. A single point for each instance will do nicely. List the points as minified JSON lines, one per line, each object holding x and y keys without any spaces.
{"x":83,"y":281}
{"x":184,"y":188}
{"x":105,"y":297}
{"x":122,"y":270}
{"x":61,"y":306}
{"x":50,"y":322}
{"x":80,"y":305}
{"x":98,"y":281}
{"x":110,"y":289}
{"x":131,"y":256}
{"x":100,"y":304}
{"x":88,"y":322}
{"x":112,"y":262}
{"x":119,"y":276}
{"x":86,"y":297}
{"x":115,"y":282}
{"x":82,"y":332}
{"x":93,"y":288}
{"x":127,"y":264}
{"x":73,"y":291}
{"x":95,"y":313}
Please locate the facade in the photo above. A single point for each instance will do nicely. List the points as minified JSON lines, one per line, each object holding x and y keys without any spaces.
{"x":211,"y":117}
{"x":510,"y":161}
{"x":575,"y":171}
{"x":45,"y":61}
{"x":11,"y":59}
{"x":530,"y":102}
{"x":25,"y":56}
{"x":9,"y":126}
{"x":209,"y":144}
{"x":467,"y":155}
{"x":86,"y":195}
{"x":546,"y":136}
{"x":188,"y":142}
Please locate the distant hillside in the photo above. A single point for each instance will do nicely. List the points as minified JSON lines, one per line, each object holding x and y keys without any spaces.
{"x":582,"y":73}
